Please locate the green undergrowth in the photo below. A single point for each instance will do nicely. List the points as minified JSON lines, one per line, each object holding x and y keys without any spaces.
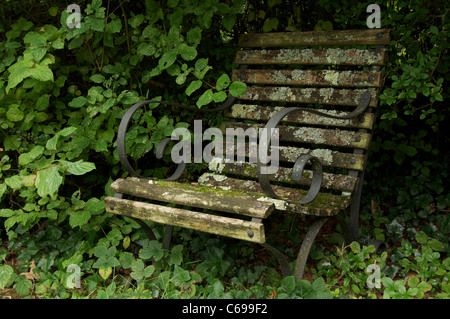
{"x":125,"y":264}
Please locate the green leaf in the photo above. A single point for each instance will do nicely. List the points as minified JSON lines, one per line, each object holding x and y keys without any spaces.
{"x":14,"y":114}
{"x":139,"y":271}
{"x":48,"y":181}
{"x":23,"y":285}
{"x":38,"y":54}
{"x":97,"y":78}
{"x":421,"y":237}
{"x":223,"y":82}
{"x":79,"y":168}
{"x":136,"y":20}
{"x":41,"y":73}
{"x":201,"y":64}
{"x":436,"y":245}
{"x":180,"y":275}
{"x":205,"y":98}
{"x":288,"y":284}
{"x":79,"y":218}
{"x":270,"y":24}
{"x":14,"y":182}
{"x":194,"y":36}
{"x":78,"y":102}
{"x":29,"y":157}
{"x":229,"y":21}
{"x":237,"y":88}
{"x":219,"y":96}
{"x":167,"y":59}
{"x":53,"y":11}
{"x":355,"y":247}
{"x":193,"y":86}
{"x":104,"y":272}
{"x":152,"y":250}
{"x":42,"y":103}
{"x":146,"y":49}
{"x":434,"y":29}
{"x":6,"y":276}
{"x":188,"y":53}
{"x":114,"y":26}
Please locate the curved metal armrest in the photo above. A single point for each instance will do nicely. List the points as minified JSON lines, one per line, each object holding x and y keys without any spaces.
{"x":125,"y":122}
{"x":304,"y":158}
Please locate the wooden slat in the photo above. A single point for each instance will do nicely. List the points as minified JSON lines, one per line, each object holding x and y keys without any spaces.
{"x":325,"y":204}
{"x":191,"y":195}
{"x":330,"y":181}
{"x":327,"y":96}
{"x":290,"y":154}
{"x":316,"y":38}
{"x":218,"y":225}
{"x":309,"y":135}
{"x":322,"y":78}
{"x":264,"y":113}
{"x":348,"y":57}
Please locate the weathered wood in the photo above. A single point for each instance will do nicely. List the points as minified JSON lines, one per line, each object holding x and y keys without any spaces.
{"x":218,"y":225}
{"x":326,"y":96}
{"x":325,"y":204}
{"x":330,"y":181}
{"x":191,"y":195}
{"x":326,"y":78}
{"x":264,"y":113}
{"x":316,"y":38}
{"x":347,"y":57}
{"x":329,"y":158}
{"x":309,"y":135}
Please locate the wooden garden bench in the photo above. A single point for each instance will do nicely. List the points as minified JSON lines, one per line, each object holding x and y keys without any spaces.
{"x":320,"y":89}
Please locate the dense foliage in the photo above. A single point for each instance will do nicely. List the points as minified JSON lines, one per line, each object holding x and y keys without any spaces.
{"x":64,"y":90}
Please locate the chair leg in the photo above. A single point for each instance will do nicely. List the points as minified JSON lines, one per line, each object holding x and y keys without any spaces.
{"x":354,"y":211}
{"x":148,"y":230}
{"x":282,"y":260}
{"x":167,"y":237}
{"x":305,"y":248}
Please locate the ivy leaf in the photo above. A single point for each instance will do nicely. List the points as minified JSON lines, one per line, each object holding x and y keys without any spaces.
{"x":48,"y":181}
{"x":237,"y":88}
{"x":79,"y":168}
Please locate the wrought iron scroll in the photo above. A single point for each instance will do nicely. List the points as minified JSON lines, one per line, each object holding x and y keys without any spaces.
{"x":302,"y":159}
{"x":125,"y":122}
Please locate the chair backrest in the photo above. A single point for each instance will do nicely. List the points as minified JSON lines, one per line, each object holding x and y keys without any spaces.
{"x":323,"y":70}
